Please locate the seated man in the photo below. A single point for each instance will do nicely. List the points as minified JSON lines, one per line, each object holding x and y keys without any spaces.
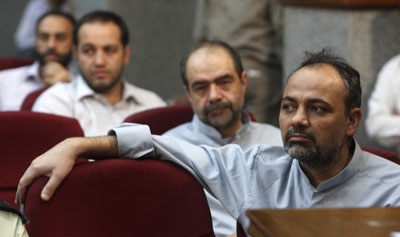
{"x":383,"y":119}
{"x":12,"y":222}
{"x":215,"y":84}
{"x":53,"y":56}
{"x":99,"y":98}
{"x":321,"y":164}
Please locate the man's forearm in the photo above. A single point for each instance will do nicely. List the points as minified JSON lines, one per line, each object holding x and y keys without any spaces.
{"x":96,"y":148}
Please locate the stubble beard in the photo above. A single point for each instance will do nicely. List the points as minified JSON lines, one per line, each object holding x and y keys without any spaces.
{"x":226,"y":119}
{"x":312,"y":154}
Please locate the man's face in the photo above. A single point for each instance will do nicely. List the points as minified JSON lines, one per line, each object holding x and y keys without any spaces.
{"x":101,"y":56}
{"x":54,"y":40}
{"x":312,"y":117}
{"x":214,"y":87}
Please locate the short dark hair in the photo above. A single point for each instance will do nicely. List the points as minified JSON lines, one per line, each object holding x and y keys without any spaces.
{"x":237,"y":62}
{"x":349,"y":75}
{"x":104,"y":17}
{"x":55,"y":13}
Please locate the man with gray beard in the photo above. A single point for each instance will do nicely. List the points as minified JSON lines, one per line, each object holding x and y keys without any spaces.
{"x":321,"y":165}
{"x":215,"y":84}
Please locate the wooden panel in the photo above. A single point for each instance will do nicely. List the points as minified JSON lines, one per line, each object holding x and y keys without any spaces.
{"x":325,"y":222}
{"x":344,"y":3}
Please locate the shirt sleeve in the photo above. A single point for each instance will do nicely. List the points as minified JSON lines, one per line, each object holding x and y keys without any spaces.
{"x":225,"y":172}
{"x":383,"y":119}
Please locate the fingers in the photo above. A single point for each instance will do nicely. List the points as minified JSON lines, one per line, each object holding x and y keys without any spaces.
{"x":24,"y":182}
{"x":51,"y":187}
{"x":54,"y":72}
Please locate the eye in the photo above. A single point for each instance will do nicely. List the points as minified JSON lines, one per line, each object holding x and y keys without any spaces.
{"x":287,"y":107}
{"x":88,"y":50}
{"x":110,"y":49}
{"x":200,"y":88}
{"x":43,"y":37}
{"x":318,"y":109}
{"x":61,"y":37}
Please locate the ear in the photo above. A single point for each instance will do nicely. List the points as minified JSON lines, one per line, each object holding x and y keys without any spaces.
{"x":244,"y":80}
{"x":187,"y":93}
{"x":353,"y":121}
{"x":127,"y":53}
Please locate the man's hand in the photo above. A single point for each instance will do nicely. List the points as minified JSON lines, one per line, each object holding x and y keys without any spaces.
{"x":53,"y":72}
{"x":56,"y":164}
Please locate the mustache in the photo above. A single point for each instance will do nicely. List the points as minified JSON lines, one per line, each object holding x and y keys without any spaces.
{"x":292,"y":131}
{"x":50,"y":52}
{"x":211,"y":107}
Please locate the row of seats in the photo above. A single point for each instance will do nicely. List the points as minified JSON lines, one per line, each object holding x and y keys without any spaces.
{"x":112,"y":196}
{"x":104,"y":198}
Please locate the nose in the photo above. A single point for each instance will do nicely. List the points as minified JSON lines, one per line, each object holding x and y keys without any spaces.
{"x":215,"y":93}
{"x":99,"y":58}
{"x":51,"y":43}
{"x":300,"y":118}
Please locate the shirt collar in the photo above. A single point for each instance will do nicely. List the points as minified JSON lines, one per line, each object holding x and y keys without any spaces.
{"x":349,"y":171}
{"x":33,"y":72}
{"x":213,"y":133}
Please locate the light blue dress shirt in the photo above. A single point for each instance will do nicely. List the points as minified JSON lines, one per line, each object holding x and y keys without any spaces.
{"x":250,"y":133}
{"x":266,"y":176}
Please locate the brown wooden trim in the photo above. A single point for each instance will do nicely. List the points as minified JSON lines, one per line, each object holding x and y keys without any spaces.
{"x":344,"y":3}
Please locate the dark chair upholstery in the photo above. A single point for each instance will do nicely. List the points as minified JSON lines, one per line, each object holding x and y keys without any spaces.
{"x":30,"y":99}
{"x":383,"y":153}
{"x":163,"y":119}
{"x":121,"y":197}
{"x":24,"y":136}
{"x":10,"y":62}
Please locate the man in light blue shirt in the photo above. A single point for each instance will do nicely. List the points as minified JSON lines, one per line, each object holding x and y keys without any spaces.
{"x":215,"y":84}
{"x":320,"y":166}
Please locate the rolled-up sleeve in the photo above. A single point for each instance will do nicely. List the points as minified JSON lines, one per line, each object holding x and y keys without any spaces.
{"x":134,"y":140}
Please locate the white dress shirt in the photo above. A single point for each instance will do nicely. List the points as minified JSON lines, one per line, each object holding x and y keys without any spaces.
{"x":95,"y":115}
{"x":383,"y":119}
{"x":16,"y":84}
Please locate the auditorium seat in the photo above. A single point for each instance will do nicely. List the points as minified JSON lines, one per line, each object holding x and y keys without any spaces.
{"x":383,"y":153}
{"x":121,"y":197}
{"x":24,"y":136}
{"x":11,"y":62}
{"x":30,"y":99}
{"x":162,"y":119}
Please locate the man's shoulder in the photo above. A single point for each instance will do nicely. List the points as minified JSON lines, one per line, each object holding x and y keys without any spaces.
{"x":265,"y":133}
{"x":143,"y":95}
{"x":178,"y":130}
{"x":8,"y":73}
{"x":60,"y":93}
{"x":264,"y":126}
{"x":380,"y":168}
{"x":61,"y":89}
{"x":392,"y":64}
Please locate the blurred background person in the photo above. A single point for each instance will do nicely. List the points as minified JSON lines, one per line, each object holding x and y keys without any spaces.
{"x":25,"y":34}
{"x":53,"y":54}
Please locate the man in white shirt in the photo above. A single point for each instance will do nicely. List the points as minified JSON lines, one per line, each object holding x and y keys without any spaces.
{"x":25,"y":34}
{"x":52,"y":65}
{"x":99,"y":98}
{"x":383,"y":119}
